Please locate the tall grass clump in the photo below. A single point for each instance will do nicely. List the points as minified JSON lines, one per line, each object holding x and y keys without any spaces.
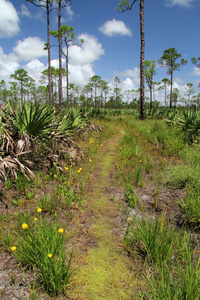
{"x":191,"y":205}
{"x":176,"y":281}
{"x":40,"y":244}
{"x":152,"y":239}
{"x":179,"y":176}
{"x":130,"y":196}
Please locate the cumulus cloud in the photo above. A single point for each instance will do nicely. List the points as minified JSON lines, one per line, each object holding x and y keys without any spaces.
{"x":8,"y":19}
{"x":195,"y":72}
{"x":186,"y":3}
{"x":88,"y":52}
{"x":115,"y":27}
{"x":80,"y":75}
{"x":30,"y":48}
{"x":34,"y":69}
{"x":70,"y":13}
{"x":134,"y":74}
{"x":8,"y":65}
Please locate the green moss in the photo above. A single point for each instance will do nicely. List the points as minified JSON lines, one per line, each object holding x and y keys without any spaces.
{"x":105,"y":271}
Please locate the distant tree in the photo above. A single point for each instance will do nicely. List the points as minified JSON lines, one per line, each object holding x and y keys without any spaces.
{"x":48,"y":5}
{"x":14,"y":91}
{"x":22,"y":77}
{"x":3,"y":91}
{"x":165,"y":82}
{"x":69,"y":39}
{"x":175,"y":96}
{"x":124,"y":6}
{"x":104,"y":89}
{"x":116,"y":91}
{"x":169,"y":59}
{"x":61,"y":5}
{"x":149,"y":72}
{"x":95,"y":84}
{"x":189,"y":91}
{"x":196,"y":61}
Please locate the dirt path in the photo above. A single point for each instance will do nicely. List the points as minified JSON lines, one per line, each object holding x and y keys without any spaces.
{"x":104,"y":269}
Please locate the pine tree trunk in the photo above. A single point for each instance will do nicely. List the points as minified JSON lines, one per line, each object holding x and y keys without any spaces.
{"x":60,"y":55}
{"x":49,"y":55}
{"x":170,"y":101}
{"x":67,"y":77}
{"x":142,"y":97}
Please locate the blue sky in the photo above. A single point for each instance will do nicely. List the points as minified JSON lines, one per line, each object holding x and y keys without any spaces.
{"x":111,"y":40}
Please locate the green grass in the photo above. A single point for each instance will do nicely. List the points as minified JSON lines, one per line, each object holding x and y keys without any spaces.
{"x":40,"y":243}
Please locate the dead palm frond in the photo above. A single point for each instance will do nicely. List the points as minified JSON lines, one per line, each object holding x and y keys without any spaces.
{"x":11,"y":166}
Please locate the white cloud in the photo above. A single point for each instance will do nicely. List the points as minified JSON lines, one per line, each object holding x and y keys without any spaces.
{"x":24,"y":11}
{"x":186,"y":3}
{"x":134,"y":74}
{"x":30,"y":48}
{"x":8,"y":65}
{"x":128,"y":84}
{"x":115,"y":27}
{"x":8,"y":19}
{"x":196,"y":72}
{"x":178,"y":80}
{"x":88,"y":52}
{"x":80,"y":75}
{"x":70,"y":13}
{"x":34,"y":69}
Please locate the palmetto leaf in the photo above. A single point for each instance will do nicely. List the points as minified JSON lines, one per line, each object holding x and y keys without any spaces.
{"x":32,"y":119}
{"x":11,"y":166}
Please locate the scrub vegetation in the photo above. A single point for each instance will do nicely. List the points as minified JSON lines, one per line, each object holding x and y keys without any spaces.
{"x":97,"y":204}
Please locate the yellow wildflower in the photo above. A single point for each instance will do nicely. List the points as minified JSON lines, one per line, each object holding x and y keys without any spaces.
{"x":13,"y":248}
{"x":90,"y":160}
{"x":24,"y":226}
{"x":60,"y":230}
{"x":54,"y":176}
{"x":79,"y":171}
{"x":49,"y":255}
{"x":35,"y":219}
{"x":39,"y":210}
{"x":66,"y":169}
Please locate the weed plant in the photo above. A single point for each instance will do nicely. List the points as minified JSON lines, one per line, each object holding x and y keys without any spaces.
{"x":152,"y":239}
{"x":179,"y":176}
{"x":191,"y":205}
{"x":179,"y":281}
{"x":130,"y":196}
{"x":40,"y":244}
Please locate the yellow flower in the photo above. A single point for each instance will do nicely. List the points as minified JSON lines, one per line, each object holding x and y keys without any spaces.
{"x":60,"y":230}
{"x":49,"y":255}
{"x":24,"y":226}
{"x":79,"y":171}
{"x":140,"y":161}
{"x":66,"y":168}
{"x":39,"y":210}
{"x":90,"y":160}
{"x":129,"y":219}
{"x":13,"y":248}
{"x":54,"y":176}
{"x":35,"y":219}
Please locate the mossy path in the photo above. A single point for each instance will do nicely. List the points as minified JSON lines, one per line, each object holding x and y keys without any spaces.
{"x":104,"y":269}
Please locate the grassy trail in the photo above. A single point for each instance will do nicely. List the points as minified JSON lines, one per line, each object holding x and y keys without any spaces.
{"x":104,"y":269}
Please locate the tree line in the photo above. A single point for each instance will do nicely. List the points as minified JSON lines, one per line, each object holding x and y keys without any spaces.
{"x":97,"y":92}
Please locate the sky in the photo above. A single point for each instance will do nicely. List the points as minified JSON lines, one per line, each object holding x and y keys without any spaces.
{"x":111,"y":40}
